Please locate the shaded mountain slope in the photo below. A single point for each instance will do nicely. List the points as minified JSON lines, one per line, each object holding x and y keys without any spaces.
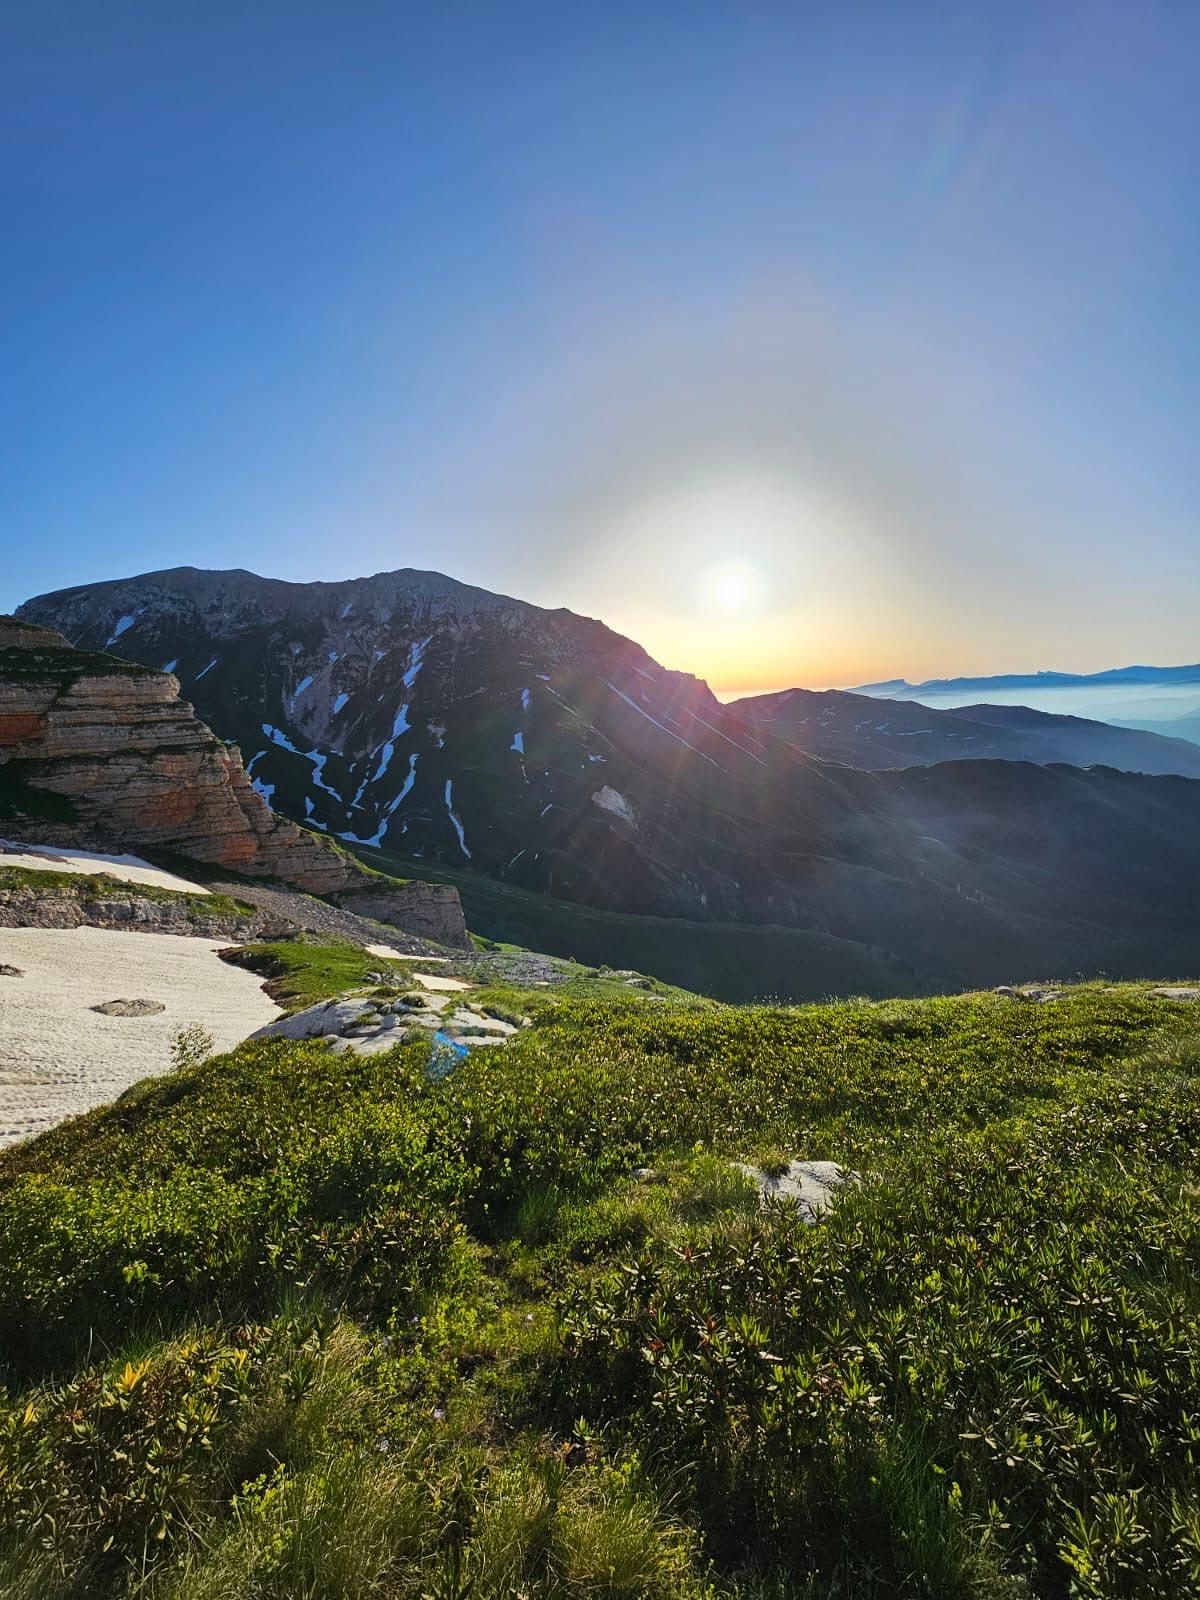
{"x":413,"y":713}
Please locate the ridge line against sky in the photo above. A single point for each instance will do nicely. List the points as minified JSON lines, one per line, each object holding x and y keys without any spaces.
{"x":803,"y":345}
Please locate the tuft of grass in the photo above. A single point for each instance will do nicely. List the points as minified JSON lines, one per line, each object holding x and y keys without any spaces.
{"x":302,"y":971}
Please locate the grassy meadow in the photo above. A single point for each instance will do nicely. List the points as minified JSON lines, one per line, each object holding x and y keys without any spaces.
{"x":308,"y":1326}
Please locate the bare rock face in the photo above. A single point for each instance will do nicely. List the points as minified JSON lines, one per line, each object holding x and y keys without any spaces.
{"x":115,"y":740}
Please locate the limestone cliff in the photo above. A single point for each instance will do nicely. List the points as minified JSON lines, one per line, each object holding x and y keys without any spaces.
{"x":114,"y":740}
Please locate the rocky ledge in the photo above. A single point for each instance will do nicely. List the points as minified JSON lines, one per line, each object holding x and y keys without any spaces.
{"x":130,"y":913}
{"x":113,"y":741}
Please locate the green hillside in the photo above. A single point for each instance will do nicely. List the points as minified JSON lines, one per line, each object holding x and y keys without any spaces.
{"x":297,"y":1325}
{"x":737,"y":962}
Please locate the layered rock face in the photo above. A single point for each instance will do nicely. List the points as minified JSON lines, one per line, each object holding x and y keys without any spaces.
{"x":140,"y":770}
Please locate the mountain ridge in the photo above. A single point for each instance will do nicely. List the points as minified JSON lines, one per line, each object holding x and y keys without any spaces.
{"x":1042,"y":679}
{"x":543,"y":750}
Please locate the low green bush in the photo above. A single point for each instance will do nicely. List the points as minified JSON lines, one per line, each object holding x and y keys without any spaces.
{"x":444,"y":1342}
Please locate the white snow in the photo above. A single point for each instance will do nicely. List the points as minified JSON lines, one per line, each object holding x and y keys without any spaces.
{"x":595,"y":758}
{"x":642,"y":712}
{"x":431,"y":980}
{"x":610,"y":799}
{"x":518,"y":743}
{"x":416,"y":660}
{"x":339,"y":702}
{"x":438,"y":730}
{"x":333,"y":655}
{"x":266,"y":790}
{"x":305,"y":683}
{"x":513,"y":861}
{"x":347,"y":608}
{"x":458,"y":827}
{"x":318,"y":759}
{"x":308,"y":808}
{"x":548,"y":807}
{"x":58,"y":1058}
{"x":524,"y":699}
{"x":56,"y":858}
{"x":169,"y":666}
{"x":410,"y":779}
{"x":206,"y":669}
{"x":122,"y":625}
{"x":385,"y":821}
{"x":400,"y":725}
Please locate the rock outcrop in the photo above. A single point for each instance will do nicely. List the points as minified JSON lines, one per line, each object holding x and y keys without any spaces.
{"x":114,"y":740}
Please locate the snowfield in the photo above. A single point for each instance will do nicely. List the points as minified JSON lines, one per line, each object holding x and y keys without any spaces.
{"x":59,"y":1058}
{"x":57,"y":858}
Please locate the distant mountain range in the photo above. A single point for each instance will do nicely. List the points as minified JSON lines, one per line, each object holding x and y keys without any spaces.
{"x":1123,"y":677}
{"x":410,"y":713}
{"x":864,"y":731}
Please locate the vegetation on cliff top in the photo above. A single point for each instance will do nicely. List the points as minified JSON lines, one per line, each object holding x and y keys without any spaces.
{"x":105,"y":886}
{"x":293,"y":1324}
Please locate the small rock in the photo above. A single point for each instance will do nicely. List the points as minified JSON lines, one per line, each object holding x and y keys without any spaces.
{"x":1182,"y":991}
{"x":129,"y":1008}
{"x":10,"y":972}
{"x":809,"y":1185}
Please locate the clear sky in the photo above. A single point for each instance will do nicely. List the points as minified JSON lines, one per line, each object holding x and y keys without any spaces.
{"x":806,"y":343}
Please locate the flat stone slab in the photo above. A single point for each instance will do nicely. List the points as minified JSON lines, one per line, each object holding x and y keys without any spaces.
{"x":809,"y":1185}
{"x":328,"y":1016}
{"x":1182,"y":991}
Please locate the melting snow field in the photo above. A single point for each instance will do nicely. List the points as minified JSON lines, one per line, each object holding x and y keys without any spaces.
{"x":56,"y":858}
{"x":59,"y":1058}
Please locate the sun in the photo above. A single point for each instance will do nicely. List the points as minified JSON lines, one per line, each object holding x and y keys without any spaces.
{"x":733,"y":585}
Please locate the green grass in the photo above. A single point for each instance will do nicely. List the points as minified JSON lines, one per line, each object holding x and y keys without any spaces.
{"x":95,"y":886}
{"x":294,"y":1324}
{"x":736,"y":962}
{"x":302,"y":971}
{"x":64,"y":666}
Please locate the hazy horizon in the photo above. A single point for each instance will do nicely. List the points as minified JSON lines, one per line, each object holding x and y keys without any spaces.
{"x":805,"y":346}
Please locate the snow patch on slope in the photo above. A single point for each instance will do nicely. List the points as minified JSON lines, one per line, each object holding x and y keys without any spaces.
{"x":317,"y":757}
{"x":122,"y":625}
{"x":458,"y":827}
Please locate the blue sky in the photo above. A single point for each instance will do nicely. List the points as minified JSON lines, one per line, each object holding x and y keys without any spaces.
{"x":806,"y":343}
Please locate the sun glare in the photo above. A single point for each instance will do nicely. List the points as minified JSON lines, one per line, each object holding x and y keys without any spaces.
{"x":733,"y":585}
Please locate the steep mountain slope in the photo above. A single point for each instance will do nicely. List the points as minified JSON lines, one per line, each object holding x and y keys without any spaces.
{"x":410,"y":712}
{"x":863,"y":732}
{"x":103,"y":750}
